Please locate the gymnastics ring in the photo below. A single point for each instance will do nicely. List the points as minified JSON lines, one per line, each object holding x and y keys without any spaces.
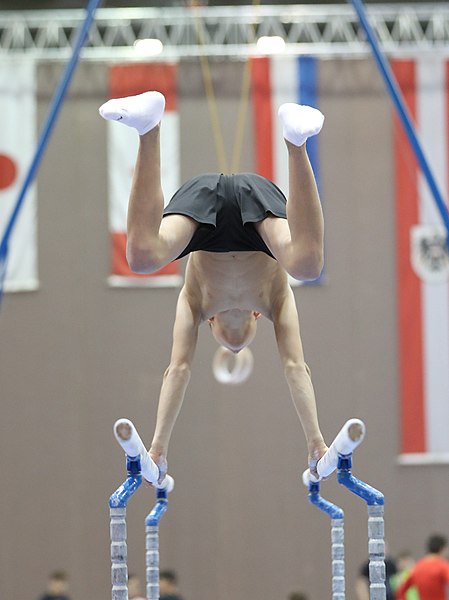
{"x":242,"y":369}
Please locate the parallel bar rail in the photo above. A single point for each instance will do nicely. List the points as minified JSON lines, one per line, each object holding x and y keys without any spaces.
{"x":337,"y":517}
{"x":138,"y":464}
{"x":339,"y":456}
{"x":374,"y":500}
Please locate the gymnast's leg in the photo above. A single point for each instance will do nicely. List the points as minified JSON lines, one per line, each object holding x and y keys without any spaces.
{"x":297,"y":243}
{"x":153,"y":241}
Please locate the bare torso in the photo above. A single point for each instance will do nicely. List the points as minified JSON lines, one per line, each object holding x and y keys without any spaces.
{"x":234,"y":280}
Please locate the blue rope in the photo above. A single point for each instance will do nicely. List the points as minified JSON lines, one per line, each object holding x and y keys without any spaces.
{"x":47,"y":128}
{"x":402,"y":111}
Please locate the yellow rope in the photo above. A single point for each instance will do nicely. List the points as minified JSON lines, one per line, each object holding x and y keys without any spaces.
{"x":241,"y":118}
{"x":243,"y":105}
{"x":212,"y":104}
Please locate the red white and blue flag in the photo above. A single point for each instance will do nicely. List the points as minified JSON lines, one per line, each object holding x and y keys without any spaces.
{"x":276,"y":80}
{"x":422,"y":263}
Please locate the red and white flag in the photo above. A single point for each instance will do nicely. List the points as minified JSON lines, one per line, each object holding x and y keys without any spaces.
{"x":128,"y":80}
{"x":17,"y":146}
{"x":423,"y":263}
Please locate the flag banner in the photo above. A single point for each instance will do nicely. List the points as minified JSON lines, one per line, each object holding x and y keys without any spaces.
{"x":128,"y":80}
{"x":277,"y":80}
{"x":17,"y":146}
{"x":422,"y":263}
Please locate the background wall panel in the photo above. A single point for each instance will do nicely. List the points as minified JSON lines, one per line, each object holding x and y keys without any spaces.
{"x":76,"y":355}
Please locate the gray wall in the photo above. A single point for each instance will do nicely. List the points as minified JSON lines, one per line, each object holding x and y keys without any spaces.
{"x":76,"y":355}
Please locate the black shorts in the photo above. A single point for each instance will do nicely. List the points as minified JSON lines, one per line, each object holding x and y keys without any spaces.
{"x":226,"y":208}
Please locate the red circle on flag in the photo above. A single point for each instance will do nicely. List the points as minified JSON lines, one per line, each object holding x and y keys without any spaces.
{"x":8,"y":171}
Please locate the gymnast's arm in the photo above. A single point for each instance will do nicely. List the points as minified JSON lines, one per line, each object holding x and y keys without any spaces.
{"x":176,"y":377}
{"x":288,"y":338}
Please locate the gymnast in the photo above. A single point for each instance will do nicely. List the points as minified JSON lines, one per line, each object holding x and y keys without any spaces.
{"x":242,"y":237}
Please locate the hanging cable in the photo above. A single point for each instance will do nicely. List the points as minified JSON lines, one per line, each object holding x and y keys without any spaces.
{"x":212,"y":101}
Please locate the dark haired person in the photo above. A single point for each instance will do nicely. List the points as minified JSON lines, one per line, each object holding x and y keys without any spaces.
{"x":168,"y":585}
{"x":430,"y":575}
{"x":57,"y":587}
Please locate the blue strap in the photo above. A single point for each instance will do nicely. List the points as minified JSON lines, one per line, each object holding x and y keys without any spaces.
{"x":403,"y":113}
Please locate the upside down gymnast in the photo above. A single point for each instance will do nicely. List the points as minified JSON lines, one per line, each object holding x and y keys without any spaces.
{"x":242,"y":237}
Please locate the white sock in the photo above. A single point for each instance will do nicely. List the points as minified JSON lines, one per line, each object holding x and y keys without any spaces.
{"x":143,"y":112}
{"x":299,"y":122}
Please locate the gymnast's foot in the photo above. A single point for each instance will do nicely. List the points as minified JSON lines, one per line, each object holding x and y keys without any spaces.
{"x":143,"y":112}
{"x":299,"y":122}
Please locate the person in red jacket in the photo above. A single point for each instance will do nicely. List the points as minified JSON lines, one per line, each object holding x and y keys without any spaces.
{"x":430,"y":575}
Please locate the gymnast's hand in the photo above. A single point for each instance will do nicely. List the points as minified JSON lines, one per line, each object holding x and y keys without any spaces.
{"x":316,"y":450}
{"x":161,"y":461}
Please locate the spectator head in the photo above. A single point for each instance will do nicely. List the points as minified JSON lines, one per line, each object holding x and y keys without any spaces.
{"x":297,"y":596}
{"x":58,"y":583}
{"x":405,"y":561}
{"x":133,"y":586}
{"x":436,"y":544}
{"x":168,"y":582}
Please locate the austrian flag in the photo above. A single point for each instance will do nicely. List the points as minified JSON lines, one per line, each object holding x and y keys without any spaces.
{"x":422,"y":265}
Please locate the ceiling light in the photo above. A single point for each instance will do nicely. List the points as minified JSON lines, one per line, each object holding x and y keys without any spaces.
{"x":270,"y":44}
{"x":149,"y":47}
